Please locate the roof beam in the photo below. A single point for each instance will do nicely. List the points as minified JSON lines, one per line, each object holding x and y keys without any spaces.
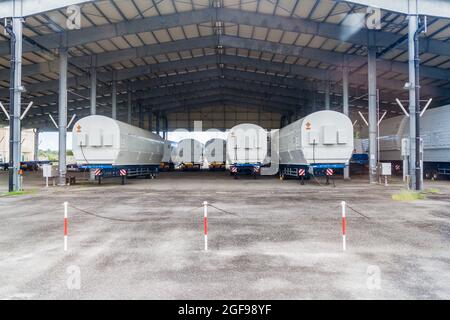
{"x":227,"y":15}
{"x":328,"y":57}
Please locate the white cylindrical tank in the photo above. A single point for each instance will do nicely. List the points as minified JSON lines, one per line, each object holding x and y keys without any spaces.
{"x":323,"y":137}
{"x":169,"y":147}
{"x":105,"y":141}
{"x":247,"y":144}
{"x":189,"y":151}
{"x":215,"y":150}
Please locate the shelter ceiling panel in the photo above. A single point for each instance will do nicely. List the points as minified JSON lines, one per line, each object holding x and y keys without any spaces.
{"x":165,"y":6}
{"x":134,"y":40}
{"x":274,"y":35}
{"x":317,"y":42}
{"x":289,"y":37}
{"x":191,"y":31}
{"x":249,"y":6}
{"x":231,"y":29}
{"x":304,"y":39}
{"x":245,"y":31}
{"x":162,"y":35}
{"x":206,"y":29}
{"x":147,"y":37}
{"x":304,"y":9}
{"x":322,"y":10}
{"x":285,"y":7}
{"x":260,"y":33}
{"x":176,"y":33}
{"x":182,"y":6}
{"x":120,"y":43}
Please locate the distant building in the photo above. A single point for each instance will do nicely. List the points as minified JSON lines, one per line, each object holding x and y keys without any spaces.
{"x":28,"y":142}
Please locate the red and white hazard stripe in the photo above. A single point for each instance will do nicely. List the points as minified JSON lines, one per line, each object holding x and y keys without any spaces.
{"x":205,"y":223}
{"x":234,"y":169}
{"x":123,"y":172}
{"x":98,"y":172}
{"x":329,"y":172}
{"x":65,"y":226}
{"x":256,"y":169}
{"x":344,"y":226}
{"x":301,"y":172}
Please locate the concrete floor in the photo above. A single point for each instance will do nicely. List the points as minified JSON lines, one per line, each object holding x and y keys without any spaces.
{"x":284,"y":241}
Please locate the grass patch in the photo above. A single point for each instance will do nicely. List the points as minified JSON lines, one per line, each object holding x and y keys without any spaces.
{"x":18,"y":193}
{"x":431,"y":191}
{"x":406,"y":195}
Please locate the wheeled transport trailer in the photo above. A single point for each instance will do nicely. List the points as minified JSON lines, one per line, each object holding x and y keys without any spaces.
{"x":247,"y":150}
{"x":188,"y":155}
{"x":111,"y":148}
{"x":104,"y":171}
{"x":316,"y":145}
{"x":305,"y":172}
{"x":251,"y":169}
{"x":435,"y":133}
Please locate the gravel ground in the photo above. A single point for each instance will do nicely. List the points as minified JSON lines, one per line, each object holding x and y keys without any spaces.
{"x":271,"y":239}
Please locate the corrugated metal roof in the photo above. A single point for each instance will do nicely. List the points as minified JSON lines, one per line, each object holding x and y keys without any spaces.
{"x":275,"y":44}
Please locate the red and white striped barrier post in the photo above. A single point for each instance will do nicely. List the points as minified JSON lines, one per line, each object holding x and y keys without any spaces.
{"x":344,"y":226}
{"x":65,"y":226}
{"x":205,"y":223}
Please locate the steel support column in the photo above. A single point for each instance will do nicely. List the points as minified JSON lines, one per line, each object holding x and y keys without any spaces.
{"x":36,"y":144}
{"x":114,"y":96}
{"x":327,"y":95}
{"x":345,"y":105}
{"x":141,"y":116}
{"x":150,"y":120}
{"x":62,"y":115}
{"x":414,"y":107}
{"x":15,"y":31}
{"x":373,"y":119}
{"x":158,"y":115}
{"x":93,"y":78}
{"x":129,"y":103}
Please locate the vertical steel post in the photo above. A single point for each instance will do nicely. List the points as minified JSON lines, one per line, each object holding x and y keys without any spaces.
{"x":158,"y":115}
{"x":15,"y":31}
{"x":345,"y":105}
{"x":373,"y":121}
{"x":150,"y":120}
{"x":327,"y":95}
{"x":36,"y":145}
{"x":141,"y":115}
{"x":129,"y":103}
{"x":314,"y":97}
{"x":62,"y":115}
{"x":93,"y":78}
{"x":412,"y":29}
{"x":114,"y":96}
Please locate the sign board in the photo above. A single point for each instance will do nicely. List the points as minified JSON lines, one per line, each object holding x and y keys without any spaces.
{"x":405,"y":147}
{"x":49,"y":171}
{"x":385,"y":169}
